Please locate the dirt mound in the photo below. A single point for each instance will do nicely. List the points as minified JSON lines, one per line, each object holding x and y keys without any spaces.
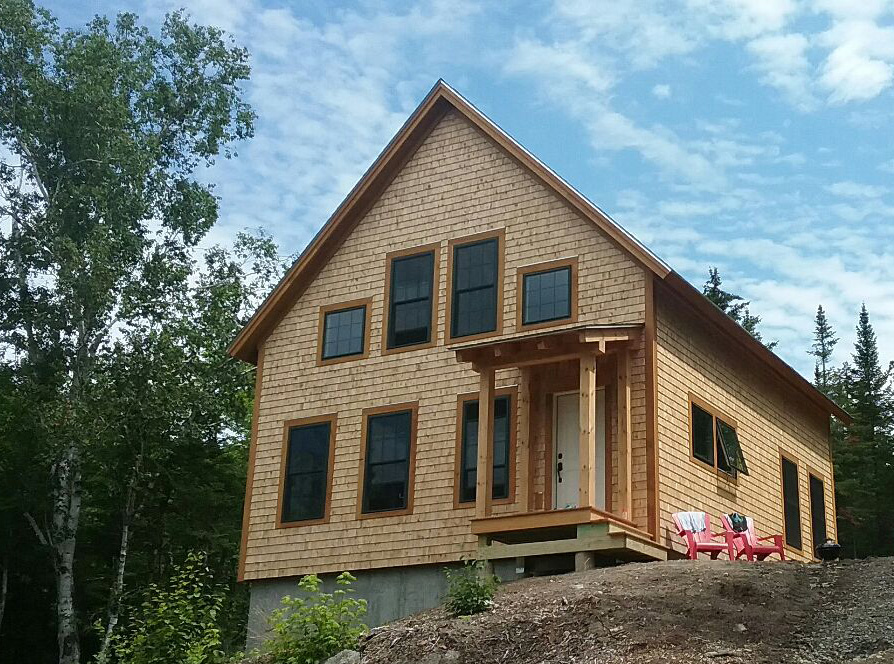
{"x":679,"y":611}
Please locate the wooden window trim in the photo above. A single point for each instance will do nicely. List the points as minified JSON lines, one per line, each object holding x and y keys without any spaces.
{"x":329,"y":308}
{"x":792,"y":459}
{"x":332,"y":419}
{"x":730,"y":478}
{"x":413,"y":407}
{"x":813,"y":472}
{"x":545,"y":267}
{"x":435,"y":248}
{"x":500,"y":235}
{"x":461,"y":399}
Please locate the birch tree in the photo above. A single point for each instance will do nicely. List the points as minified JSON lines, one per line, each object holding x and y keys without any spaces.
{"x":103,"y":132}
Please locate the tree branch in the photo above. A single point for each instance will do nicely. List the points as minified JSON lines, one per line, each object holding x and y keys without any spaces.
{"x":42,"y":537}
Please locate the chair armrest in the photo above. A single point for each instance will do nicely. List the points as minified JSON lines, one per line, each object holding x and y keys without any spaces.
{"x":777,"y":539}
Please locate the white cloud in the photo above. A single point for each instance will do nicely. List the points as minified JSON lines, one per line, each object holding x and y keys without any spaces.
{"x":860,"y":64}
{"x":662,"y":91}
{"x":850,"y":189}
{"x":782,"y":61}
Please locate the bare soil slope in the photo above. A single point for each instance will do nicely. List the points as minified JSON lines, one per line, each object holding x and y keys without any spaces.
{"x":678,"y":611}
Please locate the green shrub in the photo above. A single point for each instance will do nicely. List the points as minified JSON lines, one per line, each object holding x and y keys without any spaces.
{"x":313,"y":627}
{"x":470,"y":589}
{"x":175,"y":623}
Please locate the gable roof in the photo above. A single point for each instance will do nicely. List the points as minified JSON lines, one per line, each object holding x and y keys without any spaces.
{"x":441,"y":99}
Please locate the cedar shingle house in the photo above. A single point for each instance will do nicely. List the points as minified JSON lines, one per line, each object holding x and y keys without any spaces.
{"x":471,"y":359}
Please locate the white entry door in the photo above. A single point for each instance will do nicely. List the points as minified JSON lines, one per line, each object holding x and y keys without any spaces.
{"x":566,"y":469}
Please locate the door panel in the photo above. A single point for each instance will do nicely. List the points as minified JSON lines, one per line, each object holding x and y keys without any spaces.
{"x":566,"y":443}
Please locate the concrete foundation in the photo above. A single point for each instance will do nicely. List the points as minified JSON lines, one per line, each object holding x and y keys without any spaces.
{"x":391,"y":593}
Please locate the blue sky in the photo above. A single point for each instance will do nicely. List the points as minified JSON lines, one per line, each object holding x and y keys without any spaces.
{"x":754,"y":135}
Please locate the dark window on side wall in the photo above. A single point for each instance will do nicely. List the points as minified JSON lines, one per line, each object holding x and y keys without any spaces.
{"x":386,"y":476}
{"x":791,"y":503}
{"x":546,"y":296}
{"x":716,"y":443}
{"x":702,"y":435}
{"x":474,"y":297}
{"x":409,"y":317}
{"x":817,"y":511}
{"x":730,"y":450}
{"x":469,"y":453}
{"x":343,"y":332}
{"x":307,"y":472}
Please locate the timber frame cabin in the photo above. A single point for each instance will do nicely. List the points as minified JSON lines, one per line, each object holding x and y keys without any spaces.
{"x":472,"y":360}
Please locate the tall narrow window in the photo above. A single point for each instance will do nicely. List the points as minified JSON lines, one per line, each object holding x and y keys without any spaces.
{"x":715,"y":442}
{"x":502,"y":465}
{"x":791,"y":503}
{"x":307,"y":468}
{"x":475,"y":287}
{"x":410,"y":300}
{"x":344,"y":330}
{"x":817,"y":510}
{"x":387,"y":471}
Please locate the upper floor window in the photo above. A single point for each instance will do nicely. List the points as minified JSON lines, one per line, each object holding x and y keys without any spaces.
{"x":715,"y":442}
{"x":468,"y":452}
{"x":307,"y":472}
{"x":548,"y":293}
{"x":388,"y":459}
{"x":791,"y":502}
{"x":344,"y":331}
{"x":410,"y":299}
{"x":476,"y":289}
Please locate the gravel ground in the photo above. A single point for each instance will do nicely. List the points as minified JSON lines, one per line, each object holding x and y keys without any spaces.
{"x":681,"y":611}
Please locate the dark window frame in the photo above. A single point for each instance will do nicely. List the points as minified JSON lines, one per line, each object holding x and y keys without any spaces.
{"x":720,"y":463}
{"x":571,"y":264}
{"x":783,"y":459}
{"x":366,"y":304}
{"x":499,"y":236}
{"x":413,"y":409}
{"x":288,"y":426}
{"x":812,"y":476}
{"x":462,"y":400}
{"x":388,"y":305}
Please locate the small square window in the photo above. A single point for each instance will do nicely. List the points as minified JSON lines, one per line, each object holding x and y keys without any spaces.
{"x":344,"y":332}
{"x":546,"y":296}
{"x":715,"y":442}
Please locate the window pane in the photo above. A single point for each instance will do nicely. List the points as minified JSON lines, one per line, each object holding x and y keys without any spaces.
{"x":307,"y":470}
{"x":817,"y":511}
{"x":343,"y":332}
{"x":730,"y":449}
{"x":546,"y":296}
{"x":387,"y":472}
{"x":469,"y":452}
{"x":474,"y":297}
{"x":411,"y":296}
{"x":791,"y":503}
{"x":702,"y":435}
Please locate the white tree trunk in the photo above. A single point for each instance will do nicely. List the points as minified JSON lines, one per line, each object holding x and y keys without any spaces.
{"x":66,"y":513}
{"x":4,"y":577}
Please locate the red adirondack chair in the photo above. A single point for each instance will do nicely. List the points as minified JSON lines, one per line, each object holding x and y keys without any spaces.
{"x":748,"y":544}
{"x":702,"y":541}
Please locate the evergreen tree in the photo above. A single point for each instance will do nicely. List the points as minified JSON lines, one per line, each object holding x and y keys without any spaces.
{"x":734,"y":306}
{"x":824,"y":341}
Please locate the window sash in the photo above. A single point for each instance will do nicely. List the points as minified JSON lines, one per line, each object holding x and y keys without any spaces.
{"x":469,"y":450}
{"x":350,"y":335}
{"x":564,"y":300}
{"x":730,"y":449}
{"x":298,"y":505}
{"x":474,"y":296}
{"x":702,"y":419}
{"x":722,"y":451}
{"x":408,"y":297}
{"x":384,"y":491}
{"x":817,"y":511}
{"x":791,"y":503}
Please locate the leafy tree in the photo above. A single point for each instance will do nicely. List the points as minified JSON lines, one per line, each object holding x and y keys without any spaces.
{"x":734,"y":306}
{"x":824,"y":342}
{"x":102,"y":131}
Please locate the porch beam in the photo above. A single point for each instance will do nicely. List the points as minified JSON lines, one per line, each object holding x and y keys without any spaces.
{"x":523,"y":439}
{"x":484,"y":479}
{"x":587,"y":433}
{"x":625,"y":440}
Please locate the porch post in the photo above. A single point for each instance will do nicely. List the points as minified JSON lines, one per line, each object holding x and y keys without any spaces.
{"x":484,"y":480}
{"x":523,"y":439}
{"x":625,"y":443}
{"x":587,"y":439}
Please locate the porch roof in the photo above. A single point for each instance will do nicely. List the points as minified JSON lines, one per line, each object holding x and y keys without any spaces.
{"x":550,"y":346}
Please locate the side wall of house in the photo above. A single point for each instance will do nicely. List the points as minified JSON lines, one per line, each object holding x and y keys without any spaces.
{"x":458,"y":183}
{"x":770,"y":418}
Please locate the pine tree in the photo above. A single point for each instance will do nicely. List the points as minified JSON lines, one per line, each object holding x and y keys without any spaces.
{"x":824,"y":341}
{"x":734,"y":306}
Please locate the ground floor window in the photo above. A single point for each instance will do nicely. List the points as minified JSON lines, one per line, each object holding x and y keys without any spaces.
{"x":791,"y":503}
{"x":502,"y":432}
{"x":308,"y":468}
{"x":388,"y":457}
